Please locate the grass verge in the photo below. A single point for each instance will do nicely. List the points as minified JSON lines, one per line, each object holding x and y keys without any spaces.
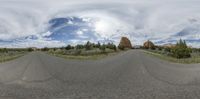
{"x":11,"y":57}
{"x":192,"y":60}
{"x":86,"y":57}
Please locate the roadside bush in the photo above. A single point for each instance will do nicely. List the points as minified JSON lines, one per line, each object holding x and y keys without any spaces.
{"x":4,"y":50}
{"x":158,"y":48}
{"x":181,"y":50}
{"x":45,"y":49}
{"x":68,"y":47}
{"x":111,"y":46}
{"x":103,"y":48}
{"x":168,"y":50}
{"x":30,"y":49}
{"x":181,"y":53}
{"x":88,"y":46}
{"x":79,"y":46}
{"x":98,"y":45}
{"x":77,"y":52}
{"x":121,"y":47}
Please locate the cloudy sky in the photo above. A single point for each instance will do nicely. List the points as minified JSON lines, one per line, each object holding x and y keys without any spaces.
{"x":53,"y":23}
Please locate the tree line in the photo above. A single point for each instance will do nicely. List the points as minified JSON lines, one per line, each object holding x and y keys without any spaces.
{"x":179,"y":50}
{"x":87,"y":46}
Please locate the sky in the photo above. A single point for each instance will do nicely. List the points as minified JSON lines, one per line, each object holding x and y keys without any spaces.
{"x":56,"y":23}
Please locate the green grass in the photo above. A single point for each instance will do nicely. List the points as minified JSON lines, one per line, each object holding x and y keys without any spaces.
{"x":86,"y":57}
{"x":5,"y":58}
{"x":192,"y":60}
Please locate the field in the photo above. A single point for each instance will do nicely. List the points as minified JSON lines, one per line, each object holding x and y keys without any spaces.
{"x":195,"y":57}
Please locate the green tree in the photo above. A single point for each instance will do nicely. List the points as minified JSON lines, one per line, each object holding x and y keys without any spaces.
{"x":103,"y":48}
{"x":30,"y":49}
{"x":121,"y":47}
{"x":68,"y":47}
{"x":98,"y":45}
{"x":181,"y":50}
{"x":45,"y":49}
{"x":4,"y":50}
{"x":88,"y":45}
{"x":111,"y":46}
{"x":79,"y":46}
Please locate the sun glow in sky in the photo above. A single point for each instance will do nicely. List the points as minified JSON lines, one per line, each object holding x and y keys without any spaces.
{"x":102,"y":27}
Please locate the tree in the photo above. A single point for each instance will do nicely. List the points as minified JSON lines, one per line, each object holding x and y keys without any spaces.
{"x":88,"y":45}
{"x":103,"y":48}
{"x":30,"y":49}
{"x":45,"y":49}
{"x":68,"y":47}
{"x":114,"y":48}
{"x":79,"y":46}
{"x":98,"y":45}
{"x":111,"y":46}
{"x":4,"y":50}
{"x":121,"y":47}
{"x":181,"y":50}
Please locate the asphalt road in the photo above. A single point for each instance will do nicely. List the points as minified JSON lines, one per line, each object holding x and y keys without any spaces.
{"x":128,"y":75}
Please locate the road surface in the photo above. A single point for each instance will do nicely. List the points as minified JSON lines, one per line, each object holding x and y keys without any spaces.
{"x":128,"y":75}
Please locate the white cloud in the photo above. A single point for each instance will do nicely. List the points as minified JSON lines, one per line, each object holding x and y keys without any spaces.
{"x":137,"y":19}
{"x":80,"y":32}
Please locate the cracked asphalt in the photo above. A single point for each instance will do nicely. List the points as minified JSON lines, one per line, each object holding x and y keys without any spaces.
{"x":128,"y":75}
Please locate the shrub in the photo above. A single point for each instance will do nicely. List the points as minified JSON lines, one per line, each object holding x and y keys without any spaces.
{"x":111,"y":46}
{"x":79,"y":46}
{"x":88,"y":46}
{"x":4,"y":50}
{"x":181,"y":50}
{"x":158,"y":48}
{"x":68,"y":47}
{"x":121,"y":47}
{"x":114,"y":48}
{"x":77,"y":52}
{"x":167,"y":49}
{"x":98,"y":45}
{"x":103,"y":48}
{"x":45,"y":49}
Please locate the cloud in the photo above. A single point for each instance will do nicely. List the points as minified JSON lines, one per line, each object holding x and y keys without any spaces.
{"x":110,"y":19}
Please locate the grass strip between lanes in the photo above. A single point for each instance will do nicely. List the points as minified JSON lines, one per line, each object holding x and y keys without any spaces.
{"x":86,"y":57}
